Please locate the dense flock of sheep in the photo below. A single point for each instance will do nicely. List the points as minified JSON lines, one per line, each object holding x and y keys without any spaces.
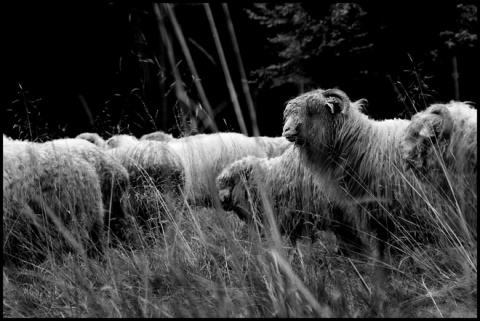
{"x":330,"y":165}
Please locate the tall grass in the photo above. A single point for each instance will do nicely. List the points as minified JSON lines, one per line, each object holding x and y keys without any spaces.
{"x":205,"y":262}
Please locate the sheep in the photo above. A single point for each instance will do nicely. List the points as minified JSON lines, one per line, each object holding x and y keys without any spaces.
{"x":204,"y":155}
{"x":297,"y":200}
{"x":43,"y":183}
{"x":453,"y":128}
{"x":153,"y":167}
{"x":114,"y":182}
{"x":158,"y":135}
{"x":93,"y":138}
{"x":358,"y":159}
{"x":440,"y":146}
{"x":356,"y":155}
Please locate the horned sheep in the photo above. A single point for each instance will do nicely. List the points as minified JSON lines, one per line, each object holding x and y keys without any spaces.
{"x":357,"y":158}
{"x":356,"y":155}
{"x":298,"y":201}
{"x":42,"y":183}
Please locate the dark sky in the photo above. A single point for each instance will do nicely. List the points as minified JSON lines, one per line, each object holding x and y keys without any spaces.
{"x":63,"y":50}
{"x":59,"y":51}
{"x":64,"y":53}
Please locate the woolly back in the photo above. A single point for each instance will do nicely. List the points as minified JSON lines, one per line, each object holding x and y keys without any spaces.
{"x":52,"y":170}
{"x":205,"y":155}
{"x":114,"y":181}
{"x":273,"y":146}
{"x":149,"y":159}
{"x":40,"y":181}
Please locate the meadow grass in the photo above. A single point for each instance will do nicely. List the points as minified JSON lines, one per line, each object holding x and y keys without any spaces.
{"x":205,"y":262}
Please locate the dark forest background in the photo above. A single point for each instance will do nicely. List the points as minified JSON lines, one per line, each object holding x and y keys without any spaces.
{"x":106,"y":67}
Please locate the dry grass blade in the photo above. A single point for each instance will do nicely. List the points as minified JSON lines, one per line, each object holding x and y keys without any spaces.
{"x":191,"y":65}
{"x":321,"y":310}
{"x":245,"y":87}
{"x":228,"y":78}
{"x":180,"y":91}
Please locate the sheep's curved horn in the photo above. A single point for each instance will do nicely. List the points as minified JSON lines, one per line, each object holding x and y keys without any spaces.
{"x":332,"y":96}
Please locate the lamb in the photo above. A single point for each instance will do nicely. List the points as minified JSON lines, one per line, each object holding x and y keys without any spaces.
{"x":153,"y":167}
{"x":93,"y":138}
{"x":358,"y":159}
{"x":158,"y":135}
{"x":42,"y":183}
{"x":299,"y":203}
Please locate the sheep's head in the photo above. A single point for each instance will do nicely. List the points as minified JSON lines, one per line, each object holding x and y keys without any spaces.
{"x":429,"y":127}
{"x":158,"y":135}
{"x":313,"y":115}
{"x":233,"y":185}
{"x":120,"y":140}
{"x":93,"y":138}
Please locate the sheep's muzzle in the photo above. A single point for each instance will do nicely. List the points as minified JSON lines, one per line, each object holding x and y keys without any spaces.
{"x":290,"y":131}
{"x":225,"y":196}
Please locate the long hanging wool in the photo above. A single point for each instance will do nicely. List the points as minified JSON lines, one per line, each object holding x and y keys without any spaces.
{"x":358,"y":159}
{"x":114,"y":182}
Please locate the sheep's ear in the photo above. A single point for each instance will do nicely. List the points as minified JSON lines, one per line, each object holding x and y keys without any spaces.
{"x":335,"y":104}
{"x":439,"y":126}
{"x":336,"y":100}
{"x":427,"y":131}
